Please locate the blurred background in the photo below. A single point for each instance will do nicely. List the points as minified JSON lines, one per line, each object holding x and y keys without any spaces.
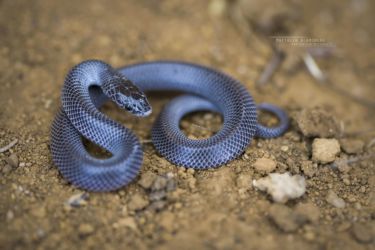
{"x":313,"y":58}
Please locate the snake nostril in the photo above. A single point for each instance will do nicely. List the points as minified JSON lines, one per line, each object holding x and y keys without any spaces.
{"x":201,"y":124}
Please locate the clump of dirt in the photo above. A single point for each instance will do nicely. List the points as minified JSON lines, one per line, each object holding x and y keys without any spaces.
{"x":316,"y":122}
{"x":171,"y":207}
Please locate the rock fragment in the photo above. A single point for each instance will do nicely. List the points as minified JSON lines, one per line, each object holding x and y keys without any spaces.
{"x":137,"y":202}
{"x":284,"y":148}
{"x":342,"y":164}
{"x":265,"y":165}
{"x":308,"y":211}
{"x":147,"y":179}
{"x":334,"y":200}
{"x":77,"y":200}
{"x":167,"y":221}
{"x":352,"y":146}
{"x":9,"y":215}
{"x":12,"y":160}
{"x":243,"y":180}
{"x":285,"y":218}
{"x":325,"y":150}
{"x":157,"y":195}
{"x":128,"y":222}
{"x":309,"y":168}
{"x":158,"y":205}
{"x":317,"y":122}
{"x":160,"y":187}
{"x":282,"y":187}
{"x":159,"y":183}
{"x":6,"y":169}
{"x":85,"y":229}
{"x":39,"y":212}
{"x":363,"y":233}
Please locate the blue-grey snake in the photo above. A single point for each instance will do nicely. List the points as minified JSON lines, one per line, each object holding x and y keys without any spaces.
{"x":89,"y":84}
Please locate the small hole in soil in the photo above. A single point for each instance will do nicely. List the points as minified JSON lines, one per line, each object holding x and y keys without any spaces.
{"x":201,"y":124}
{"x":95,"y":150}
{"x":267,"y":118}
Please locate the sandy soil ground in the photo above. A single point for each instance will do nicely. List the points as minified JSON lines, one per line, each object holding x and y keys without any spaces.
{"x":169,"y":207}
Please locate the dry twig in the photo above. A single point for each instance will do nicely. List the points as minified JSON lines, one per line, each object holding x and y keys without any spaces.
{"x":322,"y":78}
{"x":9,"y":146}
{"x":276,"y":60}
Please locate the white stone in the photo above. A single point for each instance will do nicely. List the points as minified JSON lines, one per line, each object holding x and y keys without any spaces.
{"x":282,"y":187}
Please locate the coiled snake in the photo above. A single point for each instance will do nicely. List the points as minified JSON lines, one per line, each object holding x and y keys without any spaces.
{"x":89,"y":84}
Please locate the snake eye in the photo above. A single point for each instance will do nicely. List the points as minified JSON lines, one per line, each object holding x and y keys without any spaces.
{"x":123,"y":90}
{"x":136,"y":96}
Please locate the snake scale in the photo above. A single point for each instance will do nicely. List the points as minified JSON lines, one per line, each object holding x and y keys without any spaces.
{"x":91,"y":83}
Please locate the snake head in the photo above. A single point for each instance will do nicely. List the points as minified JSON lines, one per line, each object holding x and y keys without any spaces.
{"x":127,"y":96}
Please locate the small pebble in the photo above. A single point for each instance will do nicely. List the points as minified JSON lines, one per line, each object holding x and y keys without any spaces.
{"x":158,"y":205}
{"x":47,"y":103}
{"x":343,"y":226}
{"x":284,"y":148}
{"x":265,"y":165}
{"x":192,"y":183}
{"x":351,"y":198}
{"x":363,"y":233}
{"x":310,"y":236}
{"x":159,"y":183}
{"x":7,"y":169}
{"x":77,"y":200}
{"x":85,"y":229}
{"x":352,"y":146}
{"x":137,"y":202}
{"x":358,"y":206}
{"x":178,"y":205}
{"x":171,"y":184}
{"x":325,"y":150}
{"x":309,"y":168}
{"x":10,"y":215}
{"x":342,"y":164}
{"x":190,"y":171}
{"x":284,"y":218}
{"x":217,"y":8}
{"x":243,"y":181}
{"x":128,"y":222}
{"x":346,"y":181}
{"x":147,"y":179}
{"x":39,"y":212}
{"x":167,"y":221}
{"x":334,"y":200}
{"x":308,"y":211}
{"x":157,"y":195}
{"x":12,"y":160}
{"x":317,"y":122}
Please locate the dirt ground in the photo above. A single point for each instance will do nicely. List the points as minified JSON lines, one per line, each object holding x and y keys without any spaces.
{"x":170,"y":207}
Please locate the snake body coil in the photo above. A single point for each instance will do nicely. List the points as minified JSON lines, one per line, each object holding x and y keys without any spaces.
{"x":91,"y":83}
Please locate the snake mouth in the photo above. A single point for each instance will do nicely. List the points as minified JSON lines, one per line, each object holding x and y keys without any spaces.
{"x":146,"y":113}
{"x":141,"y":113}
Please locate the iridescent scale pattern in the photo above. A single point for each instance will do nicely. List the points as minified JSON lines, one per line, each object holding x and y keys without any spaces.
{"x":206,"y":89}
